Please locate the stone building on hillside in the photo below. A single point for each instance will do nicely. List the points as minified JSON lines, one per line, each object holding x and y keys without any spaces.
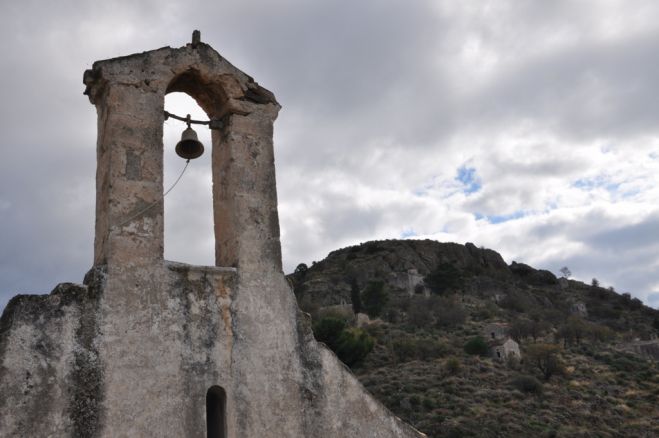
{"x":147,"y":347}
{"x":501,"y":345}
{"x":648,"y":349}
{"x":496,"y":331}
{"x":410,"y":281}
{"x":505,"y":349}
{"x":579,"y":309}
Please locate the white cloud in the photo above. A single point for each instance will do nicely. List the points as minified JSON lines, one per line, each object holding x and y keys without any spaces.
{"x":553,"y":105}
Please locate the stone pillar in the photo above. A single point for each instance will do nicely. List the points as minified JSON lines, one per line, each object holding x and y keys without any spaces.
{"x":129,"y":211}
{"x":244,"y":191}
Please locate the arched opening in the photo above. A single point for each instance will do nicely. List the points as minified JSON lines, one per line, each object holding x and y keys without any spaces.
{"x":188,"y":207}
{"x":216,"y":404}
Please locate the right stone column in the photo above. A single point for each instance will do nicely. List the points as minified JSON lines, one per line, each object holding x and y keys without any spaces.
{"x":245,"y":192}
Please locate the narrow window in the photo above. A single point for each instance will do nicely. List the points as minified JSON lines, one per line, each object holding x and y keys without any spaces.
{"x":216,"y":401}
{"x":498,"y":353}
{"x":493,"y":335}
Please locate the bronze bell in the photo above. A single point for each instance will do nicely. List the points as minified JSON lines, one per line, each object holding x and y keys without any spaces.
{"x":189,"y":147}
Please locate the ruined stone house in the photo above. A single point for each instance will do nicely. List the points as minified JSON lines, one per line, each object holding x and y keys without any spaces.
{"x":579,"y":308}
{"x":648,"y":349}
{"x":502,"y":346}
{"x":409,"y":282}
{"x":147,"y":347}
{"x":496,"y":331}
{"x":505,"y":349}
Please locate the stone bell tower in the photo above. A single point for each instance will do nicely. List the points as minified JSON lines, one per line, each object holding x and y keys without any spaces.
{"x":147,"y":347}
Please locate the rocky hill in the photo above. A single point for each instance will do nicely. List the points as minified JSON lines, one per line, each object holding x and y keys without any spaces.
{"x":459,"y":343}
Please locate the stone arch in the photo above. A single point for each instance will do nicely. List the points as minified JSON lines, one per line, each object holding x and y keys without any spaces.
{"x":208,"y":93}
{"x":129,"y":95}
{"x":188,"y":207}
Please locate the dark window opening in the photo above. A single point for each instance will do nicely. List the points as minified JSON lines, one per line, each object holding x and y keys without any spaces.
{"x":493,"y":335}
{"x":498,"y":354}
{"x":216,"y":403}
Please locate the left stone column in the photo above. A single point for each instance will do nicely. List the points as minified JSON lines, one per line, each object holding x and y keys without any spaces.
{"x":129,"y":208}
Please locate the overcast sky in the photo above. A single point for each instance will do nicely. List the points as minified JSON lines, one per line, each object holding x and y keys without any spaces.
{"x":528,"y":127}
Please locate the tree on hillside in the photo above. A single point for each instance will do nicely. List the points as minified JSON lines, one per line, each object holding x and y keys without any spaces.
{"x":354,"y":345}
{"x":572,"y":331}
{"x":519,"y":329}
{"x":328,"y":331}
{"x":419,"y":314}
{"x":374,"y":298}
{"x":445,"y":278}
{"x":600,"y":333}
{"x":565,"y":271}
{"x":576,"y":329}
{"x":301,"y":269}
{"x":545,"y":358}
{"x":448,"y":313}
{"x":350,"y":344}
{"x":539,"y":323}
{"x":355,"y":297}
{"x":476,"y":346}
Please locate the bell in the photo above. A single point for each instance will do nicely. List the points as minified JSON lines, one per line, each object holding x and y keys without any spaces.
{"x":189,"y":147}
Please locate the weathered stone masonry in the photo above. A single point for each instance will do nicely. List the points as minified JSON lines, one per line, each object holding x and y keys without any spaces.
{"x":135,"y":350}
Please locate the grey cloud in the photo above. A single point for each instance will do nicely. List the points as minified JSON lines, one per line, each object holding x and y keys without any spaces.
{"x":626,"y":272}
{"x":617,"y":255}
{"x":653,"y":300}
{"x":368,"y":89}
{"x":586,"y":90}
{"x":351,"y":70}
{"x":622,"y":238}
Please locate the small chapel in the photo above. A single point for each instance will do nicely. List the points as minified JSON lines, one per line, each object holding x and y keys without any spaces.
{"x":146,"y":347}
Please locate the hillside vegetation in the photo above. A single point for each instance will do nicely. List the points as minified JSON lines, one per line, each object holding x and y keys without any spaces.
{"x":410,"y":317}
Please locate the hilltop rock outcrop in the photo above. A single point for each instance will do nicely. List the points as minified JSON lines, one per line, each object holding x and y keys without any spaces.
{"x":402,"y":264}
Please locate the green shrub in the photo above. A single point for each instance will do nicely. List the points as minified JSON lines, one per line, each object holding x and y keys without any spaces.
{"x":517,"y":302}
{"x":328,"y":330}
{"x":406,"y":349}
{"x":445,"y":278}
{"x":527,"y":384}
{"x":430,"y":349}
{"x":428,"y":403}
{"x":351,"y":345}
{"x":488,"y":311}
{"x":476,"y":346}
{"x":452,"y":366}
{"x":419,"y":314}
{"x":545,"y":357}
{"x":354,"y":344}
{"x":448,"y":313}
{"x":393,"y":315}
